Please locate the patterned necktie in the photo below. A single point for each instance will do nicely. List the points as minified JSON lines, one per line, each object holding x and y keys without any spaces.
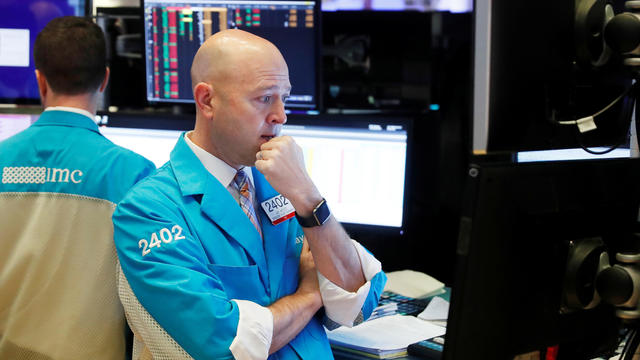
{"x":243,"y":185}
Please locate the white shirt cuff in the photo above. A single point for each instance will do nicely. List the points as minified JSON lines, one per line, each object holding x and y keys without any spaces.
{"x":255,"y":331}
{"x":343,"y":306}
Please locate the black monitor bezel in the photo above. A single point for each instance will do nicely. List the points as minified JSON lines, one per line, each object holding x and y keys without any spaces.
{"x":488,"y":316}
{"x":529,"y":78}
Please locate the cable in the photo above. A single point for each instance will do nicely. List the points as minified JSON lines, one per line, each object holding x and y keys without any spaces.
{"x":628,"y":337}
{"x":590,"y":118}
{"x":626,"y":113}
{"x":633,"y":343}
{"x":613,"y":147}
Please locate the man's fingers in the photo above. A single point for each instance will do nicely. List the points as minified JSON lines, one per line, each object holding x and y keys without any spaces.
{"x":275,"y":142}
{"x":263,"y":154}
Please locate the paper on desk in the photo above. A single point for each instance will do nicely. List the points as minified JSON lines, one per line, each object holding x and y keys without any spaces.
{"x":413,"y":284}
{"x":386,"y":333}
{"x":437,"y":309}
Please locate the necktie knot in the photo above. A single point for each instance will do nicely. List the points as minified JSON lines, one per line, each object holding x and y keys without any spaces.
{"x":240,"y":179}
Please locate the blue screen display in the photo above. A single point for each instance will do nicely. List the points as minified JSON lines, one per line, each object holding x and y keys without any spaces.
{"x":20,"y":23}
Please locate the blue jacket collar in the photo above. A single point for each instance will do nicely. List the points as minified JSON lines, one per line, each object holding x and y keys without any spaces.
{"x":217,"y":203}
{"x":66,"y":118}
{"x":194,"y":179}
{"x":191,"y":175}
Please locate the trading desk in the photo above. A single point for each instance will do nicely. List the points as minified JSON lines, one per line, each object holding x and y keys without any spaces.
{"x":406,"y":306}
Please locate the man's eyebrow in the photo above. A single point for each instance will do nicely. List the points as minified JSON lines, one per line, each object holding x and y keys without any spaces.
{"x":273,"y":87}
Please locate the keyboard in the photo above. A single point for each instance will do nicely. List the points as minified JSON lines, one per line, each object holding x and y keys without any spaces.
{"x":405,"y":305}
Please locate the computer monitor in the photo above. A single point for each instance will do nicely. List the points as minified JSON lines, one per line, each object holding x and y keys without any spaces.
{"x":456,"y":6}
{"x":541,"y":65}
{"x":124,"y":34}
{"x":538,"y":66}
{"x":20,"y":23}
{"x":12,"y":123}
{"x":154,"y":144}
{"x":175,"y":29}
{"x":152,"y":135}
{"x":359,"y":164}
{"x":513,"y":281}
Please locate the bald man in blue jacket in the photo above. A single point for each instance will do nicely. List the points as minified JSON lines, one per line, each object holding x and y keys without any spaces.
{"x":210,"y":249}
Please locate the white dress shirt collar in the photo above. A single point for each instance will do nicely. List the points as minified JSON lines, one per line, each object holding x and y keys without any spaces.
{"x":218,"y":168}
{"x":74,"y":110}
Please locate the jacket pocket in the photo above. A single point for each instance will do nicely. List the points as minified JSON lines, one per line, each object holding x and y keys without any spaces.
{"x":240,"y":282}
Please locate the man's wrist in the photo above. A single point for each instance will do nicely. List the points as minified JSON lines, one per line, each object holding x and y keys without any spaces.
{"x":319,"y":215}
{"x":312,"y":298}
{"x":304,"y":203}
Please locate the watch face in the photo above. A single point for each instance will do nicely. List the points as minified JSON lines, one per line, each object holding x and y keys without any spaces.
{"x":319,"y":216}
{"x":322,"y":212}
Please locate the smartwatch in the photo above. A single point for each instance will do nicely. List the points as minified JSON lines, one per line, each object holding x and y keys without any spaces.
{"x":319,"y":216}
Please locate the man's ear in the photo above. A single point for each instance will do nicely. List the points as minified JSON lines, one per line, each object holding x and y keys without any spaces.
{"x":203,"y":95}
{"x":43,"y":87}
{"x":105,"y":80}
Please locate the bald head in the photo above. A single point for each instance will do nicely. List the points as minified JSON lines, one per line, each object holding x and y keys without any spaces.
{"x":240,"y":84}
{"x":226,"y":54}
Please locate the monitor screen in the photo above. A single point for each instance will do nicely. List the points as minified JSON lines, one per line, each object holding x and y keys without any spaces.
{"x":358,"y":166}
{"x":455,"y":6}
{"x":154,"y":144}
{"x":175,"y":29}
{"x":359,"y":170}
{"x":11,"y":124}
{"x":20,"y":23}
{"x":516,"y":279}
{"x":570,"y":154}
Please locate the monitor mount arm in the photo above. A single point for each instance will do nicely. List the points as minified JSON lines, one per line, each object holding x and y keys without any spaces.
{"x":622,"y":35}
{"x":599,"y":33}
{"x":591,"y":279}
{"x":619,"y":285}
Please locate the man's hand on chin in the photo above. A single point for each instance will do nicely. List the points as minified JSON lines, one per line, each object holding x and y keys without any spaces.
{"x":281,"y":161}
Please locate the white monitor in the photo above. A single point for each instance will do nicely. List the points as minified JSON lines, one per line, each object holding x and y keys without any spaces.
{"x":11,"y":124}
{"x":154,"y":144}
{"x":360,"y":170}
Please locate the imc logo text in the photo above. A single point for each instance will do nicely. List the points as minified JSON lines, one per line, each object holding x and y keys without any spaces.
{"x":39,"y":175}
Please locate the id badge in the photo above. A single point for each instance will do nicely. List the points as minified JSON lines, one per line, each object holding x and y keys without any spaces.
{"x":278,"y":209}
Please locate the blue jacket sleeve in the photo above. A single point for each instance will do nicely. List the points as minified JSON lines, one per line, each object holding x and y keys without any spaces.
{"x":170,"y":275}
{"x":371,"y":302}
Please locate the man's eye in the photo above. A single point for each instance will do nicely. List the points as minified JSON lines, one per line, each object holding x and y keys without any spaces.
{"x":266,"y":99}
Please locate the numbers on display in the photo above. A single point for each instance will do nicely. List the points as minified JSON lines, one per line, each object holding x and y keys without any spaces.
{"x":277,"y":202}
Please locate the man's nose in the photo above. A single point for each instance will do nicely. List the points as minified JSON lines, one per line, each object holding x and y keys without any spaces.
{"x":278,"y":115}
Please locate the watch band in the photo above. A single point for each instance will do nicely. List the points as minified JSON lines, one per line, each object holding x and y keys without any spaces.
{"x":318,"y":217}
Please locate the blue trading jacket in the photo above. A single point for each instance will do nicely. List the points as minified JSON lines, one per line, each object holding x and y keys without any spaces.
{"x":187,"y":249}
{"x":60,"y":182}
